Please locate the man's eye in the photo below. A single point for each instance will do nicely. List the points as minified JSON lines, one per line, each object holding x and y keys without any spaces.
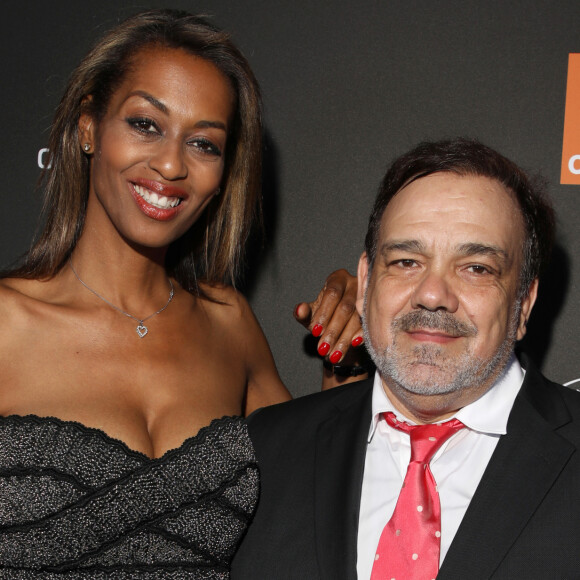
{"x":478,"y":269}
{"x":406,"y":263}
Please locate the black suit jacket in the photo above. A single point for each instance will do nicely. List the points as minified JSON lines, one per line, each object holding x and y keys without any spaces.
{"x":522,"y":523}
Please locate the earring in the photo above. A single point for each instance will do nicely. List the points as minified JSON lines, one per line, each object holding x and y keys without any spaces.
{"x":86,"y":147}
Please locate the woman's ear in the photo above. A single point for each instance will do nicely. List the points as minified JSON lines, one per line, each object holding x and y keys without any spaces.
{"x":86,"y":127}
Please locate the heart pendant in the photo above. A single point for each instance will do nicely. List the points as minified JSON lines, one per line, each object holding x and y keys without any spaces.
{"x":142,"y":330}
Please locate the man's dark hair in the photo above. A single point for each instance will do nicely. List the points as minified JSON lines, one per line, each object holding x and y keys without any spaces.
{"x":470,"y":157}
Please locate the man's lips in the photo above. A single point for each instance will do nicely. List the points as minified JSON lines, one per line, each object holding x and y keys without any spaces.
{"x":433,"y":326}
{"x":431,"y":335}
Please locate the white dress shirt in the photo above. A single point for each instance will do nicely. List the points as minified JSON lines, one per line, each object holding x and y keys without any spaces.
{"x":457,"y":466}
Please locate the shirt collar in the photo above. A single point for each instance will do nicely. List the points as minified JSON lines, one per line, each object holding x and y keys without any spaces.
{"x":488,"y":414}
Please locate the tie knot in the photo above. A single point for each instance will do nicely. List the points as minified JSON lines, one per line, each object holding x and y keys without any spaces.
{"x":425,"y":439}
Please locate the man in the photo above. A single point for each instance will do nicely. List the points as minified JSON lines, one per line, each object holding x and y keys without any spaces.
{"x":456,"y":241}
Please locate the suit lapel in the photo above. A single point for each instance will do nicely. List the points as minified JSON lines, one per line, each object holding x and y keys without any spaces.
{"x":340,"y":456}
{"x":525,"y":464}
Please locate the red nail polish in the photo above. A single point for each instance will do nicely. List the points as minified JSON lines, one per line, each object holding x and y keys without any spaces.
{"x":317,"y":331}
{"x":323,"y":349}
{"x":357,"y":341}
{"x":335,"y":356}
{"x":296,"y":310}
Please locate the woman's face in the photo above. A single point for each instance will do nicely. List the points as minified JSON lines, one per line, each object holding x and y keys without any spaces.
{"x":159,"y":151}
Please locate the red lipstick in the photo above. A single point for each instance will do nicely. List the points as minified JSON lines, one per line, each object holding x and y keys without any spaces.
{"x":150,"y":195}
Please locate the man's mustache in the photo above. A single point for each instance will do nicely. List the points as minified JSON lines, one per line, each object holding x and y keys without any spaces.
{"x":434,"y":320}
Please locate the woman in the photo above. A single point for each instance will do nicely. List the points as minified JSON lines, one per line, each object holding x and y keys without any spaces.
{"x":126,"y":358}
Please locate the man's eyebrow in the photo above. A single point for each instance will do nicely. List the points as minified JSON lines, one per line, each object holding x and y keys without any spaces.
{"x":414,"y":246}
{"x":473,"y":249}
{"x":467,"y":249}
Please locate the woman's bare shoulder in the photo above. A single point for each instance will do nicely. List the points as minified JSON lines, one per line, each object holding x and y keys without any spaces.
{"x":19,"y":309}
{"x":229,"y":309}
{"x":245,"y":336}
{"x":225,"y":301}
{"x":16,"y":292}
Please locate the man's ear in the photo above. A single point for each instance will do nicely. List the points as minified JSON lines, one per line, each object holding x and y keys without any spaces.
{"x":87,"y":127}
{"x":527,"y":305}
{"x":362,"y":274}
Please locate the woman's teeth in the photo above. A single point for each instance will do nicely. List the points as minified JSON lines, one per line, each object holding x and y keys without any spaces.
{"x":159,"y":201}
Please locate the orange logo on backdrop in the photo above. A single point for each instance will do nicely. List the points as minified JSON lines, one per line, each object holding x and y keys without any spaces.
{"x":571,"y":147}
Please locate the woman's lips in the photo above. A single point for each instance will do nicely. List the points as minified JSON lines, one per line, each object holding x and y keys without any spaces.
{"x":157,"y":201}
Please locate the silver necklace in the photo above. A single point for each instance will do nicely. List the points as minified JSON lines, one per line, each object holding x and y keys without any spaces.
{"x":141,"y":329}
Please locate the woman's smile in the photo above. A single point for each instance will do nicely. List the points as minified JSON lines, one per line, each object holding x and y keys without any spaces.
{"x":156,"y":200}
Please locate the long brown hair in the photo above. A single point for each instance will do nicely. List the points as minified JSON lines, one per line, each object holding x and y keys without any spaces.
{"x":213,"y":248}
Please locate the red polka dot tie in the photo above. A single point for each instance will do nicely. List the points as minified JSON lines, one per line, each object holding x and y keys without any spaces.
{"x":409,"y":545}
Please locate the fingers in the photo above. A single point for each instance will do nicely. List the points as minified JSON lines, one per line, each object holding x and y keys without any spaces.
{"x":340,"y":345}
{"x":332,"y":317}
{"x":303,"y":314}
{"x":333,"y":307}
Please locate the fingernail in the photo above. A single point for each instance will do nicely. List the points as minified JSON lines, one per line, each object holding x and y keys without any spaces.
{"x":357,"y":341}
{"x":296,"y":310}
{"x":335,"y":356}
{"x":317,"y":331}
{"x":323,"y":349}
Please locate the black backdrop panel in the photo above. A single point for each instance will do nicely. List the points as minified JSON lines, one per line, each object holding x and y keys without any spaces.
{"x":347,"y":86}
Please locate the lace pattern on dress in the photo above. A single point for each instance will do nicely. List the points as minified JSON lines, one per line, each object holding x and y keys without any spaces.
{"x":75,"y":503}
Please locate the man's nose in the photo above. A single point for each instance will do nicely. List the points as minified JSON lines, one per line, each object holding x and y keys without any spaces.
{"x":435,"y":291}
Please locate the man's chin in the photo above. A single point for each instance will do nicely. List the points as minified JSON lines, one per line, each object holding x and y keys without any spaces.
{"x":426,"y":378}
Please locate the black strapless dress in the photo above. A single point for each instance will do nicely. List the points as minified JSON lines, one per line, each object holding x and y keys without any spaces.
{"x":75,"y":503}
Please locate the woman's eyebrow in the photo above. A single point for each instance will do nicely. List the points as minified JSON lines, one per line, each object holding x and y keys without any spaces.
{"x":151,"y":99}
{"x":164,"y":109}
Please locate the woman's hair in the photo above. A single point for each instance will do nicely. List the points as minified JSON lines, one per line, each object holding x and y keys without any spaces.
{"x":213,"y":247}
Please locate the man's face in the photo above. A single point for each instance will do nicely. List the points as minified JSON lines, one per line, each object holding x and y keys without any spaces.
{"x":441,"y":305}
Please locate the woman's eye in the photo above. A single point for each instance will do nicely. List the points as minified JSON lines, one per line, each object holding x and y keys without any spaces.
{"x":206,"y":147}
{"x":143,"y":125}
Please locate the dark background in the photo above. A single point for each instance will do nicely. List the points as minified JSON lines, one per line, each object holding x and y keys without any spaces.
{"x":347,"y":87}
